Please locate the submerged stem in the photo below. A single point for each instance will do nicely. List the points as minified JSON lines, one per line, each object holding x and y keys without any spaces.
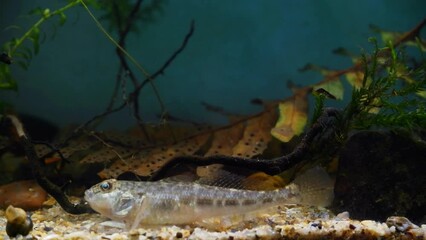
{"x":38,"y":24}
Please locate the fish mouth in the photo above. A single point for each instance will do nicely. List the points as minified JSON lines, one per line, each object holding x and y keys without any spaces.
{"x":88,"y":195}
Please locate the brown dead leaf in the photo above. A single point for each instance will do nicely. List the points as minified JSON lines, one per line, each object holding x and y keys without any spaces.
{"x":146,"y":163}
{"x":222,"y":144}
{"x":224,"y":140}
{"x":107,"y":154}
{"x":355,"y":78}
{"x":256,"y":135}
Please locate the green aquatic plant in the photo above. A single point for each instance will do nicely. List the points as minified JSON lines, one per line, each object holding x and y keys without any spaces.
{"x":17,"y":51}
{"x":120,"y":15}
{"x":392,"y":93}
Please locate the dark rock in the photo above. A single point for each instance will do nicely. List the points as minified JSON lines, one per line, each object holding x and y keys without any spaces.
{"x":382,"y":173}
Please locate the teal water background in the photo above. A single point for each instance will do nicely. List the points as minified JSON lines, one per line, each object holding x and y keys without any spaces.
{"x":241,"y":49}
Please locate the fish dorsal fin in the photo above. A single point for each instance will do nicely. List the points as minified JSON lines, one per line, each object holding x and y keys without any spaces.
{"x":212,"y":175}
{"x":219,"y":175}
{"x":188,"y":177}
{"x":238,"y":178}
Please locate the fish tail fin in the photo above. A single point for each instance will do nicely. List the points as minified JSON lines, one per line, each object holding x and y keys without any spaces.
{"x":316,"y":187}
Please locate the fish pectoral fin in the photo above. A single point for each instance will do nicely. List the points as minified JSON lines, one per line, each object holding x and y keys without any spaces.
{"x":125,"y":205}
{"x":113,"y":224}
{"x":142,"y":212}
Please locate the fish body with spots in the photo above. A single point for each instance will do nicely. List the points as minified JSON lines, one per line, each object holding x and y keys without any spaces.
{"x":158,"y":203}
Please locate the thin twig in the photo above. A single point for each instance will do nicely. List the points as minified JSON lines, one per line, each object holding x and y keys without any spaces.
{"x":118,"y":84}
{"x":133,"y":95}
{"x":172,"y":57}
{"x":130,"y":57}
{"x":129,"y":23}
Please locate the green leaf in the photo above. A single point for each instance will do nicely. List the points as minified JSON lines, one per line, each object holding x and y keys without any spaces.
{"x":25,"y":53}
{"x":34,"y":37}
{"x":334,"y":87}
{"x":7,"y":82}
{"x":23,"y":64}
{"x":421,"y":93}
{"x":36,"y":11}
{"x":9,"y":45}
{"x":28,"y":52}
{"x":12,"y":27}
{"x":62,"y":19}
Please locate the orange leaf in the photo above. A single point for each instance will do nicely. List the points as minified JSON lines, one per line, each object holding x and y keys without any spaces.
{"x":51,"y":160}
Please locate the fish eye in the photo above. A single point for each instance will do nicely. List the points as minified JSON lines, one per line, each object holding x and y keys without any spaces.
{"x":105,"y":186}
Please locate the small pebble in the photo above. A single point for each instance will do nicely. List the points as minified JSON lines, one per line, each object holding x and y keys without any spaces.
{"x":343,"y":216}
{"x":47,"y":229}
{"x":27,"y":195}
{"x":402,"y":224}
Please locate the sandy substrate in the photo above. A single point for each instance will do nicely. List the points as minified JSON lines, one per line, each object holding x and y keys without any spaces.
{"x":291,"y":222}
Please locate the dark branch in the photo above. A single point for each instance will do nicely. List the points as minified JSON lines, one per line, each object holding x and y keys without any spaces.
{"x":54,"y":149}
{"x":134,"y":95}
{"x":269,"y":166}
{"x":123,"y":34}
{"x":172,"y":58}
{"x":130,"y":20}
{"x":411,"y":35}
{"x":118,"y":83}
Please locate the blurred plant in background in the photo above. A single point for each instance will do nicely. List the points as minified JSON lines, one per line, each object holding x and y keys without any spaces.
{"x":21,"y":50}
